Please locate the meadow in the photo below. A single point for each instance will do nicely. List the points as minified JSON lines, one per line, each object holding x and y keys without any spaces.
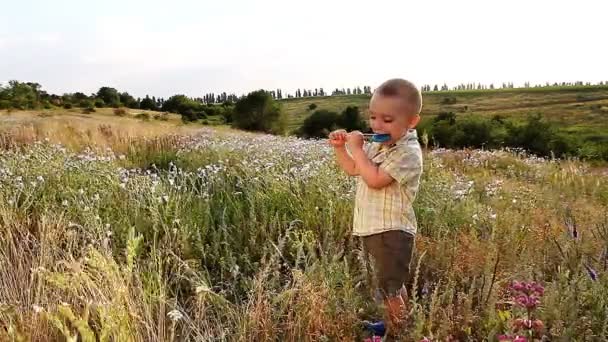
{"x":159,"y":231}
{"x":579,"y":111}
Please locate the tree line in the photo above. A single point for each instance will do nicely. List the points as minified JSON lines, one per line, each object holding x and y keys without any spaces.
{"x":30,"y":95}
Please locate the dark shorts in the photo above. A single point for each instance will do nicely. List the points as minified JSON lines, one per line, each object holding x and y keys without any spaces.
{"x":391,"y":253}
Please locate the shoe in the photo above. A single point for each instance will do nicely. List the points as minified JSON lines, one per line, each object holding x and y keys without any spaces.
{"x":376,"y":328}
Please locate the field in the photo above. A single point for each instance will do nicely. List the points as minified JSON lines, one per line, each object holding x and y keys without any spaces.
{"x":158,"y":231}
{"x":576,"y":110}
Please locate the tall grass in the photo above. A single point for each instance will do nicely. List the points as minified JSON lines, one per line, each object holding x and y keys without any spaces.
{"x":240,"y":237}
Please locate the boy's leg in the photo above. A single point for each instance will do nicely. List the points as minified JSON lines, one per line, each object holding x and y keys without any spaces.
{"x":392,"y":253}
{"x":399,"y":250}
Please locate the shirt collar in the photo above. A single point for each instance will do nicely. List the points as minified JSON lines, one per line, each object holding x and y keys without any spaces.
{"x":409,"y":135}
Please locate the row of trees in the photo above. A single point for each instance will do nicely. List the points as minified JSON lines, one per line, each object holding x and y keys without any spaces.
{"x":508,"y":85}
{"x":30,"y":95}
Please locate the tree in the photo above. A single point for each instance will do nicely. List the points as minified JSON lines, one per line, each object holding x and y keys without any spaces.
{"x":148,"y":103}
{"x":258,"y":111}
{"x":20,"y":95}
{"x":79,"y":96}
{"x":319,"y":124}
{"x":128,"y":100}
{"x":351,"y":119}
{"x":183,"y":105}
{"x":109,"y":96}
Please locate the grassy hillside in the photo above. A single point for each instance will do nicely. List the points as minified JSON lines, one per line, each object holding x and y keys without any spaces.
{"x":580,"y":110}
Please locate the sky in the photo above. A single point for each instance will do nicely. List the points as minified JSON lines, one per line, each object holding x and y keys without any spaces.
{"x":194,"y":47}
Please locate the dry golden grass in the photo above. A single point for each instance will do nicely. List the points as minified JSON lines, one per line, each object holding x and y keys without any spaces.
{"x":77,"y":131}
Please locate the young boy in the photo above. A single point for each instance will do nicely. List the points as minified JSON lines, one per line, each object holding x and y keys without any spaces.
{"x":388,"y":179}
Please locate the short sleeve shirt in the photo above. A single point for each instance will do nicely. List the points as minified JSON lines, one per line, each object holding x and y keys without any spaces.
{"x":390,"y":208}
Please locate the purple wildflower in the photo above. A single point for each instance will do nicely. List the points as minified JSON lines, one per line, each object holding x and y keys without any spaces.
{"x":592,"y":273}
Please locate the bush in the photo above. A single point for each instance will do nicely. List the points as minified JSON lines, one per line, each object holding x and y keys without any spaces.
{"x":120,"y":112}
{"x":449,"y":117}
{"x":182,"y":104}
{"x":67,"y":106}
{"x":161,"y":117}
{"x":319,"y":124}
{"x":99,"y":103}
{"x":351,"y":119}
{"x":258,"y":111}
{"x":535,"y":135}
{"x":312,"y":106}
{"x":85,"y":104}
{"x":143,"y":116}
{"x":477,"y":132}
{"x":88,"y":110}
{"x":448,"y":100}
{"x":228,"y":115}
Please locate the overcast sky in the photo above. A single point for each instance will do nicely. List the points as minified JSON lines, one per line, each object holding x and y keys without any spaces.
{"x":193,"y":47}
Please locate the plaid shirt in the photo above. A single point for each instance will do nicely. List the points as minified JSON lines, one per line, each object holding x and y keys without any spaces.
{"x":390,"y":208}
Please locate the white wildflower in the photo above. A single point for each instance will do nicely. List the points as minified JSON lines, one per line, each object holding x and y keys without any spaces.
{"x":202,"y":288}
{"x":175,"y":315}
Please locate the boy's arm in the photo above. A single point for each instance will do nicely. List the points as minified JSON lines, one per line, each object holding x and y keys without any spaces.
{"x":404,"y":165}
{"x":372,"y":175}
{"x":345,"y":161}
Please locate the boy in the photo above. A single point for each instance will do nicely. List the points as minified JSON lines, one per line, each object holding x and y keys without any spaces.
{"x":388,"y":179}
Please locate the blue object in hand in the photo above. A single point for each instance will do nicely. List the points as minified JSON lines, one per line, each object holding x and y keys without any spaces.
{"x":381,"y":137}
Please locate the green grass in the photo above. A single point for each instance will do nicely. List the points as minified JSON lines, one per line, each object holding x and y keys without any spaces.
{"x":583,"y":107}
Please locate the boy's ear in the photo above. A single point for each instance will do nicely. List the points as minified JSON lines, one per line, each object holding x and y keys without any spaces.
{"x":414,"y":121}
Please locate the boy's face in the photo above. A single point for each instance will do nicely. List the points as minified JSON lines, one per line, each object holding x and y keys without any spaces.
{"x":392,"y":115}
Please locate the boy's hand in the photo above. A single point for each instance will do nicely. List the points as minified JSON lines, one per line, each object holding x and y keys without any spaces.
{"x":355,"y":139}
{"x":337,"y":138}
